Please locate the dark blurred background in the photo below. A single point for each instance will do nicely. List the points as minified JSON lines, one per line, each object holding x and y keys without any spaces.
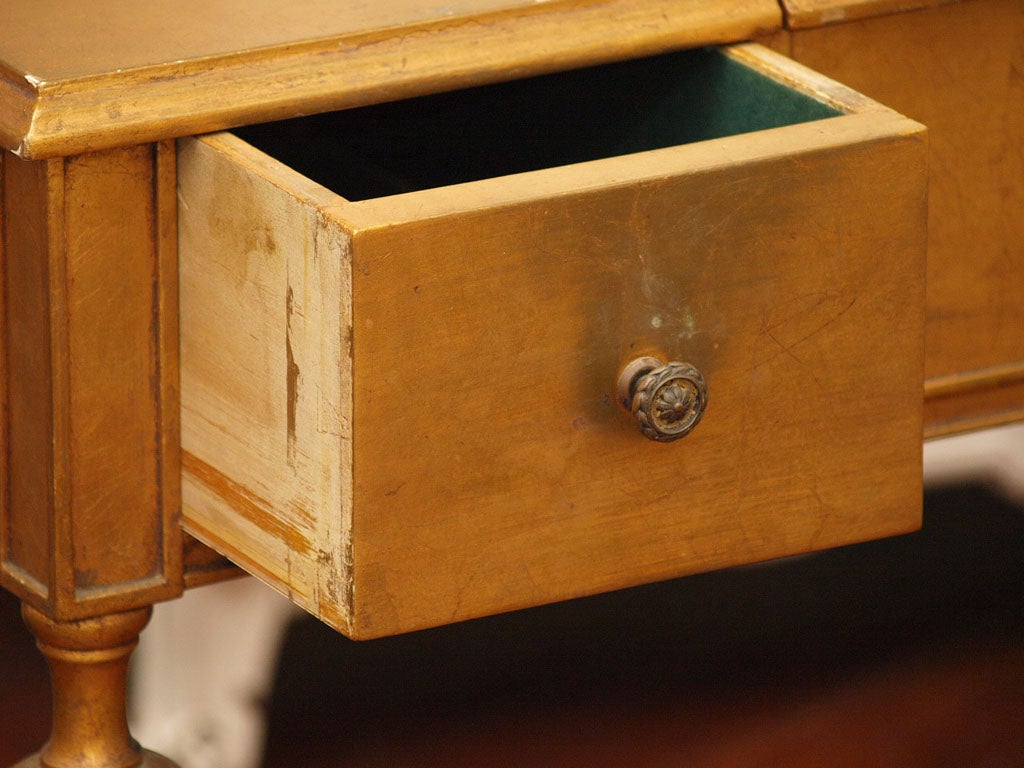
{"x":905,"y":652}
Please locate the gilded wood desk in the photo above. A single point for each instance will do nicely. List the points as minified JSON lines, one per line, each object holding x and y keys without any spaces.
{"x":402,"y":406}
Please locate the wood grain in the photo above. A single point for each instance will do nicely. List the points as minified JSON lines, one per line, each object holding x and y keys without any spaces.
{"x":131,"y":73}
{"x":489,"y":466}
{"x":27,"y":535}
{"x":930,"y":66}
{"x":91,"y":522}
{"x":802,"y":14}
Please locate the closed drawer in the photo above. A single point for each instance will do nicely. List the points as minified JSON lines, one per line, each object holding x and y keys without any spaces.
{"x":400,"y":355}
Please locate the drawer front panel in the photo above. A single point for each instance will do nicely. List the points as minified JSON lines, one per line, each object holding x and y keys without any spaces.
{"x":478,"y":459}
{"x":493,"y":464}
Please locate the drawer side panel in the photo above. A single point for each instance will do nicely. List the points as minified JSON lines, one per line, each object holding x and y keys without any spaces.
{"x":266,"y":372}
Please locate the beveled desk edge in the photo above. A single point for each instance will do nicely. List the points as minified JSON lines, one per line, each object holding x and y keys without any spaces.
{"x":41,"y":118}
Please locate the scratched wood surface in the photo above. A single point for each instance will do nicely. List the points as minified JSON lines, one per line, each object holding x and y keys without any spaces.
{"x":956,"y":68}
{"x":468,"y":393}
{"x":90,"y":519}
{"x":130,"y":72}
{"x":266,"y":415}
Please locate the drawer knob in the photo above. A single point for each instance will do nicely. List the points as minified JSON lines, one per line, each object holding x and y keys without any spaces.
{"x":667,"y":399}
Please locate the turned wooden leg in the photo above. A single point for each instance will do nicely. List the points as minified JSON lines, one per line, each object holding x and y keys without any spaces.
{"x":88,"y":662}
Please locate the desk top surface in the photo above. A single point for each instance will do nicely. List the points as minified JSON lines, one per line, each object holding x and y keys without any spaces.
{"x":56,"y":40}
{"x":77,"y":77}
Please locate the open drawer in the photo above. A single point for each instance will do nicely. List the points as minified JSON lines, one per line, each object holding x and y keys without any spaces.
{"x":403,"y":329}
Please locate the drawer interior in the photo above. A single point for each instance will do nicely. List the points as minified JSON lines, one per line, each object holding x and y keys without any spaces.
{"x":526,"y":125}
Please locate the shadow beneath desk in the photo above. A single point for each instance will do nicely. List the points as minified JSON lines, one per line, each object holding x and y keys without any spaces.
{"x":907,"y":651}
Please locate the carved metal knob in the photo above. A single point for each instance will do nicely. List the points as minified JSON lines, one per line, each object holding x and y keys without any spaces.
{"x":667,"y":399}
